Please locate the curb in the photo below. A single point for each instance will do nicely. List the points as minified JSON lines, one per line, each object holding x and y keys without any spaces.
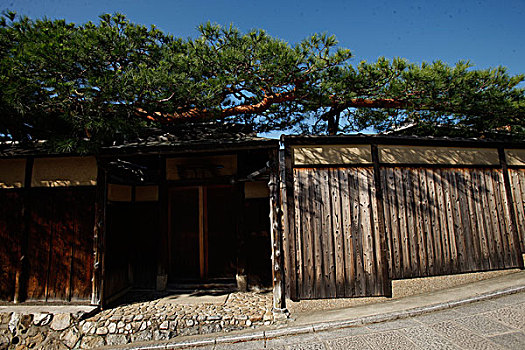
{"x":324,"y":326}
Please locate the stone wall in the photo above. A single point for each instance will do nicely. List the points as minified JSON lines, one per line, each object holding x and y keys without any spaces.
{"x":152,"y":320}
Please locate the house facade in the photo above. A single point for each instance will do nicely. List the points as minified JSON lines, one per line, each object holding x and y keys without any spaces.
{"x":314,"y":217}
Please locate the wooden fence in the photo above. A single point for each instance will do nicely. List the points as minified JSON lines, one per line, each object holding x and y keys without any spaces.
{"x":359,"y":215}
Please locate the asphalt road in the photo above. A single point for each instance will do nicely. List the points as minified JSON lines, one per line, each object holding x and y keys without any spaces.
{"x":491,"y":324}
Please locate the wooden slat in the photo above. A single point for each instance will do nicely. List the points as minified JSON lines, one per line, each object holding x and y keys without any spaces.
{"x":466,"y":236}
{"x":366,"y":229}
{"x":442,"y":213}
{"x":487,"y":222}
{"x":336,"y":195}
{"x":315,"y":197}
{"x":379,"y":276}
{"x":355,"y":184}
{"x":494,"y":220}
{"x":504,"y":224}
{"x":308,"y":244}
{"x":513,"y":242}
{"x":435,"y":225}
{"x":296,"y":275}
{"x":484,"y":249}
{"x":412,"y":230}
{"x":499,"y":217}
{"x":421,"y":218}
{"x":401,"y":202}
{"x":327,"y":237}
{"x":473,"y":220}
{"x":517,"y":177}
{"x":388,"y":207}
{"x":450,"y":201}
{"x":346,"y":232}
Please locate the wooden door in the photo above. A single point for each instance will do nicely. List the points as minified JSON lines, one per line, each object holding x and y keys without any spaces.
{"x":203,"y":231}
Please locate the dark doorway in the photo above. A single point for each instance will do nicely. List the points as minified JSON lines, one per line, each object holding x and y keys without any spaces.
{"x":202,"y":233}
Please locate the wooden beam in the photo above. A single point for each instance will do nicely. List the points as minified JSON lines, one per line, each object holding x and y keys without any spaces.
{"x":511,"y":208}
{"x":383,"y":261}
{"x":99,"y":236}
{"x":21,"y":275}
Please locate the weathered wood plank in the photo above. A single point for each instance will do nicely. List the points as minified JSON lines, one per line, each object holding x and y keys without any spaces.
{"x":499,"y":217}
{"x":388,"y":207}
{"x":483,"y":261}
{"x":487,"y":221}
{"x":366,"y":228}
{"x":450,"y":202}
{"x":421,"y":217}
{"x":474,"y":230}
{"x":412,"y":230}
{"x":442,"y":214}
{"x":467,"y":246}
{"x":433,"y":226}
{"x":355,"y":190}
{"x":517,"y":177}
{"x":504,"y":224}
{"x":494,"y":220}
{"x":327,"y":236}
{"x":309,"y":245}
{"x":315,"y":197}
{"x":511,"y":236}
{"x":403,"y":230}
{"x":297,"y":273}
{"x":347,"y":233}
{"x":336,"y":195}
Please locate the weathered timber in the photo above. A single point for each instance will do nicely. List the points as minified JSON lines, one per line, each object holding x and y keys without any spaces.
{"x":279,"y":297}
{"x":381,"y":246}
{"x":21,"y":276}
{"x":99,"y":234}
{"x":511,"y":210}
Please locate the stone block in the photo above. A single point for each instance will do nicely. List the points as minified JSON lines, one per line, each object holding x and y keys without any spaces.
{"x":60,"y":322}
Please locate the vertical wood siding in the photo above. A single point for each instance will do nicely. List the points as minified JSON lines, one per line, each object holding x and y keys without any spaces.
{"x":445,"y":221}
{"x":437,"y":221}
{"x":60,"y":244}
{"x":336,"y":234}
{"x":517,"y":183}
{"x":10,"y":234}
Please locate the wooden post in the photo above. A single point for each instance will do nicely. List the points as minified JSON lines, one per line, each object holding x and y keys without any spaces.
{"x":202,"y":231}
{"x":23,"y":264}
{"x":99,"y":237}
{"x":289,"y":231}
{"x":241,"y":276}
{"x":163,"y":243}
{"x":510,"y":205}
{"x":279,"y":299}
{"x":383,"y":263}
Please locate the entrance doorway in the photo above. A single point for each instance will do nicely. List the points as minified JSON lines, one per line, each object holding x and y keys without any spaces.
{"x":203,"y":230}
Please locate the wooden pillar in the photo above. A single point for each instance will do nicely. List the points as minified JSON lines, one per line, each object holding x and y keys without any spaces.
{"x":510,"y":208}
{"x":21,"y":277}
{"x":383,"y":263}
{"x":241,"y":276}
{"x":163,"y":240}
{"x":99,"y":237}
{"x":279,"y":298}
{"x":289,"y":231}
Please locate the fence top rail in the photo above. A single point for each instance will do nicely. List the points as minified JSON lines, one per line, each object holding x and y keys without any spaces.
{"x":297,"y":140}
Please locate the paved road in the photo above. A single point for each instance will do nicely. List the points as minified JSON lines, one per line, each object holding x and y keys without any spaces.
{"x":491,"y":324}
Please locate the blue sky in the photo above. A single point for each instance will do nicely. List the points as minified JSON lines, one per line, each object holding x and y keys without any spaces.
{"x":486,"y":32}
